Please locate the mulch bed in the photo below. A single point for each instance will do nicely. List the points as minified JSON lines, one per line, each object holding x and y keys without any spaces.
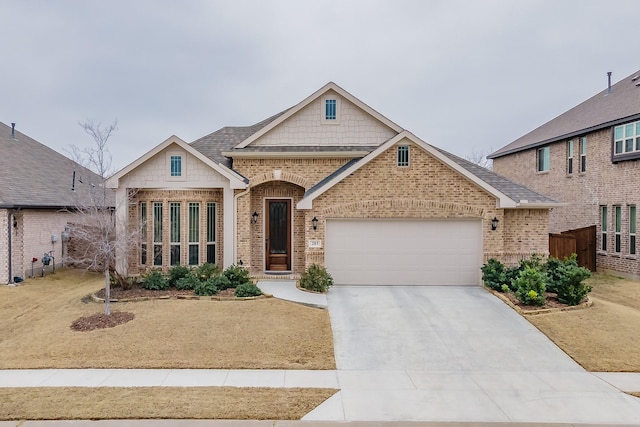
{"x":552,"y":302}
{"x":101,"y":321}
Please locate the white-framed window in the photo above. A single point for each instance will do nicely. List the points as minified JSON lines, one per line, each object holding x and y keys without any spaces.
{"x":583,"y":154}
{"x":603,"y":228}
{"x":143,"y":233}
{"x":632,"y":229}
{"x":403,"y":156}
{"x":618,"y":229}
{"x":157,"y":233}
{"x":194,"y":233}
{"x":543,"y":159}
{"x":626,"y":138}
{"x":176,"y":165}
{"x":174,"y":233}
{"x":211,"y":232}
{"x":570,"y":157}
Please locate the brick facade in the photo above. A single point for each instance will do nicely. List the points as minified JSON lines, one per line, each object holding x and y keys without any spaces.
{"x":603,"y":184}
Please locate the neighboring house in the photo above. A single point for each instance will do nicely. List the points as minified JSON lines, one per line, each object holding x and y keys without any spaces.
{"x":588,"y":157}
{"x":329,"y":181}
{"x":37,"y":190}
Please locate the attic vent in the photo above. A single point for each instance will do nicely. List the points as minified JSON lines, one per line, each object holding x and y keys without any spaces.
{"x":636,"y":77}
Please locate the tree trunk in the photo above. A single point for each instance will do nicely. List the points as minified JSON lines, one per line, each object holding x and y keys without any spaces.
{"x":107,"y":292}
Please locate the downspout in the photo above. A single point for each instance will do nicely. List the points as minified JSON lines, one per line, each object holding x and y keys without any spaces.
{"x":235,"y":223}
{"x":9,"y":222}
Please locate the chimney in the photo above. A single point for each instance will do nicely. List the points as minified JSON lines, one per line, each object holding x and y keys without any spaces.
{"x":609,"y":81}
{"x":13,"y":130}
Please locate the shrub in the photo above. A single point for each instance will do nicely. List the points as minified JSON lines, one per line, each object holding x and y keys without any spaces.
{"x":248,"y":290}
{"x":554,"y":275}
{"x":206,"y":288}
{"x":207,"y":271}
{"x":510,"y":276}
{"x":155,"y":280}
{"x":188,"y":282}
{"x":569,"y":286}
{"x":535,"y":261}
{"x":493,"y":274}
{"x":237,"y":275}
{"x":531,"y":286}
{"x":316,"y":278}
{"x":176,"y":273}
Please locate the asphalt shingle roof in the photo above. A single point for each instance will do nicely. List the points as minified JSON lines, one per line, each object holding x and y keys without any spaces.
{"x":600,"y":111}
{"x":33,"y":175}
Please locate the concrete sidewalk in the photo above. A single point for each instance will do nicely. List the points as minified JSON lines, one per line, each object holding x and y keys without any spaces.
{"x":287,"y":290}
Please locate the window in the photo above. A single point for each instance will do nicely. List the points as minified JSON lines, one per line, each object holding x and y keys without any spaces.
{"x":194,"y":233}
{"x":330,"y":110}
{"x":403,"y":156}
{"x":143,"y":233}
{"x":543,"y":159}
{"x":211,"y":233}
{"x":618,"y":228}
{"x":583,"y":154}
{"x":569,"y":157}
{"x":174,"y":233}
{"x":627,"y":138}
{"x":603,"y":228}
{"x":176,"y":165}
{"x":157,"y":233}
{"x":632,"y":229}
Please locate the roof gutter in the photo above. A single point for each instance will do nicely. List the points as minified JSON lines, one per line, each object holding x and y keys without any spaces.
{"x":294,"y":154}
{"x":541,"y":205}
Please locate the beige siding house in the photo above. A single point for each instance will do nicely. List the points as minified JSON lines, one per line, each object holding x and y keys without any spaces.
{"x":37,"y":193}
{"x":588,"y":158}
{"x":328,"y":181}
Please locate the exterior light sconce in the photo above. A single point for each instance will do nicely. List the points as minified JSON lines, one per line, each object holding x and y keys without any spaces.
{"x":254,"y":217}
{"x":494,"y":223}
{"x":314,"y":223}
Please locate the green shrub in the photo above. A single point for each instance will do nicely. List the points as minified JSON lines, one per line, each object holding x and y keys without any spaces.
{"x":248,"y":290}
{"x":176,"y":273}
{"x":237,"y":275}
{"x":207,"y":271}
{"x":569,"y":286}
{"x":554,"y":275}
{"x":316,"y":278}
{"x":155,"y":280}
{"x":534,"y":261}
{"x":206,"y":288}
{"x":493,"y":274}
{"x":531,"y":286}
{"x":188,"y":282}
{"x":510,"y":276}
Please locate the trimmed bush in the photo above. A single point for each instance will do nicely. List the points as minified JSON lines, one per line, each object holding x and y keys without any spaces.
{"x":207,"y":271}
{"x":247,"y":290}
{"x":155,"y":280}
{"x":316,"y":278}
{"x":569,"y":286}
{"x":554,"y":273}
{"x":206,"y":288}
{"x":531,"y":287}
{"x":176,"y":273}
{"x":188,"y":282}
{"x":493,"y":274}
{"x":237,"y":275}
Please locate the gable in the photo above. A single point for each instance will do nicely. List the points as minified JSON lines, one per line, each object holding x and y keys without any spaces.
{"x":308,"y":127}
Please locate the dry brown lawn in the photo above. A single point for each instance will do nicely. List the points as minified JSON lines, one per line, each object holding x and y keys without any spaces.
{"x":35,"y":332}
{"x":148,"y":402}
{"x":605,"y":337}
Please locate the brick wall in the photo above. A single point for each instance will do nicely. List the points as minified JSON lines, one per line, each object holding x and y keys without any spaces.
{"x":603,"y":183}
{"x":34,"y":238}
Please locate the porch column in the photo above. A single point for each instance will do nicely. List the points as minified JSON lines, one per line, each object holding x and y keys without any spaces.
{"x":228,"y":226}
{"x":122,"y":237}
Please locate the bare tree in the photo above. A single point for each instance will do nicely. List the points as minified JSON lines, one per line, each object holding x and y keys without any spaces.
{"x":479,"y":157}
{"x":94,"y":232}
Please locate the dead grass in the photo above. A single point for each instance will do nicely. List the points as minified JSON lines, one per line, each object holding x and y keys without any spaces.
{"x":35,"y":331}
{"x":604,"y":337}
{"x":71,"y":403}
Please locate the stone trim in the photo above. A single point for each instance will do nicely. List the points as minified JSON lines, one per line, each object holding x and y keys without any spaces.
{"x":279,"y":175}
{"x":411,"y":207}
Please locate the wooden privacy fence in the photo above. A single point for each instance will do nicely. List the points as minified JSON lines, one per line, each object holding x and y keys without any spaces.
{"x":581,"y":241}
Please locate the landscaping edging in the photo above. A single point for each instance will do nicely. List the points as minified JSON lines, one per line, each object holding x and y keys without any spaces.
{"x":588,"y":303}
{"x":188,"y":297}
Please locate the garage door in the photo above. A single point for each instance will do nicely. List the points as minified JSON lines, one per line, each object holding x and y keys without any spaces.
{"x":404,"y":252}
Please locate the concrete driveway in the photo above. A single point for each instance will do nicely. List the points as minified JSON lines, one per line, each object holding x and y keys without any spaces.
{"x":455,"y":354}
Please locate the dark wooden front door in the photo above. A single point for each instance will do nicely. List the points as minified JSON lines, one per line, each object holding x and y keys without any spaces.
{"x":278,"y":235}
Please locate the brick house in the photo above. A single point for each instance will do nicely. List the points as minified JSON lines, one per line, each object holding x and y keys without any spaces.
{"x":328,"y":181}
{"x":588,"y":158}
{"x":37,"y":193}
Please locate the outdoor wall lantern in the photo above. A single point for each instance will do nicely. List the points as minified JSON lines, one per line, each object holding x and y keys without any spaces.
{"x":494,"y":223}
{"x":254,"y":217}
{"x":314,"y":223}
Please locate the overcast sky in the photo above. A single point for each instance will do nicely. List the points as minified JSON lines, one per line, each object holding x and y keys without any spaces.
{"x":462,"y":75}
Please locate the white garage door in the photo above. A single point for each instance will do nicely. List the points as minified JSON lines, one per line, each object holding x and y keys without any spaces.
{"x":404,"y":252}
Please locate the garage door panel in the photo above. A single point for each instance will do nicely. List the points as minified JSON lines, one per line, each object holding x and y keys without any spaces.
{"x":404,"y":252}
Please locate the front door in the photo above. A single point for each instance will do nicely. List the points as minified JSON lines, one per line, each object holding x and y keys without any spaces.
{"x":278,"y":235}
